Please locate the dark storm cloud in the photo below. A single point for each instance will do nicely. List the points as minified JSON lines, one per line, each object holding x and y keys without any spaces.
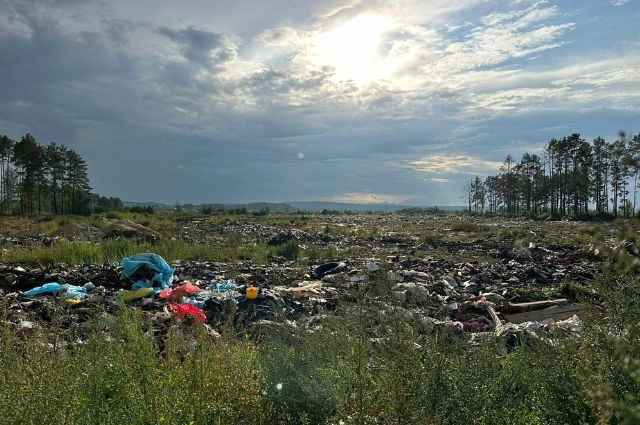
{"x":50,"y":75}
{"x":202,"y":47}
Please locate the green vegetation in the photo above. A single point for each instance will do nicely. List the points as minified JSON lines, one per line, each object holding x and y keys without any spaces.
{"x":118,"y":376}
{"x":365,"y":365}
{"x":81,"y":252}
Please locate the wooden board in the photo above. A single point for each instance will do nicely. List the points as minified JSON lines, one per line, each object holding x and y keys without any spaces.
{"x":534,"y":305}
{"x":555,"y":313}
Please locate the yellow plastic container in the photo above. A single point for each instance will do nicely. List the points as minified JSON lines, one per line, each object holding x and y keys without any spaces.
{"x":252,"y":292}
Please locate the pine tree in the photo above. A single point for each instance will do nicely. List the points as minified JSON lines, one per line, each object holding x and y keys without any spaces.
{"x":28,"y":158}
{"x":77,"y":190}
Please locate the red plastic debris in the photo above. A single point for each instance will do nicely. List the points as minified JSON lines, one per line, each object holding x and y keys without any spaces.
{"x":184,"y":310}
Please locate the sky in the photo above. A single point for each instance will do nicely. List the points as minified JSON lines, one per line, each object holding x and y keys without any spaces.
{"x":395,"y":101}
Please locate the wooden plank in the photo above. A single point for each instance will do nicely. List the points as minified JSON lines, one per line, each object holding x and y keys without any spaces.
{"x":306,"y":290}
{"x":494,"y":316}
{"x":555,"y":313}
{"x":534,"y":305}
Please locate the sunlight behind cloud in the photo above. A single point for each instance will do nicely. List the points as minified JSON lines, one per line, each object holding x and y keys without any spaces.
{"x":354,"y":49}
{"x":369,"y":198}
{"x":454,"y":164}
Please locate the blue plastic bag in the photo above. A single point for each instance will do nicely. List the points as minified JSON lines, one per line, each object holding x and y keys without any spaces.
{"x":54,"y":287}
{"x":74,"y":291}
{"x":47,"y":288}
{"x":229,"y":285}
{"x":164,"y":275}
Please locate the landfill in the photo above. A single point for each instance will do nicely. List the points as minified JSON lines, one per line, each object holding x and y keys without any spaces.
{"x":439,"y":284}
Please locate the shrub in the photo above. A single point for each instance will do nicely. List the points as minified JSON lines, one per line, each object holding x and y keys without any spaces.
{"x":289,"y":250}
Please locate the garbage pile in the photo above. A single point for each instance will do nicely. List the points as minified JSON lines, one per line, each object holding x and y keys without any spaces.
{"x":434,"y":293}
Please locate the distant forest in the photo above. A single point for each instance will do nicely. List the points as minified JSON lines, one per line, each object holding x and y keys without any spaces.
{"x":572,"y":177}
{"x":37,"y":179}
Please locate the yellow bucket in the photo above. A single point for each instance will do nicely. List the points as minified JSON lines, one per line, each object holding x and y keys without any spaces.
{"x":252,"y":292}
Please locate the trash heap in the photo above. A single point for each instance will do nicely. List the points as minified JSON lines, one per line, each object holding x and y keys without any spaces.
{"x":435,"y":294}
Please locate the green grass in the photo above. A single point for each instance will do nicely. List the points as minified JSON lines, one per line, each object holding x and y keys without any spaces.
{"x":365,"y":365}
{"x":82,"y":252}
{"x":118,"y":376}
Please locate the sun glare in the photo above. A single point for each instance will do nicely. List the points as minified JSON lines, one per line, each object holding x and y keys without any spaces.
{"x":353,"y":49}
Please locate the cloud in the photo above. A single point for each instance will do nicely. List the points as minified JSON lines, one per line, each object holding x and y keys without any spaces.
{"x":619,"y":2}
{"x":205,"y":48}
{"x":281,"y":37}
{"x":458,"y":164}
{"x":233,"y":92}
{"x":591,"y":85}
{"x":369,"y":198}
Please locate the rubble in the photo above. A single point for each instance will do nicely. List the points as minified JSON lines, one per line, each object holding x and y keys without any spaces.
{"x":77,"y":231}
{"x":454,"y":290}
{"x":130,"y":230}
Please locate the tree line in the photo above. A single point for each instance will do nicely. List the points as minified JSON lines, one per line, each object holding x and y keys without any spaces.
{"x":572,"y":177}
{"x":36,"y":179}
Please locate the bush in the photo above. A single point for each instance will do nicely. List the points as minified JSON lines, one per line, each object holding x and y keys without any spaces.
{"x":289,"y":250}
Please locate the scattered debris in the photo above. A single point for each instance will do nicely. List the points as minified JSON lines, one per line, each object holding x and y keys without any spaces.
{"x":455,"y":291}
{"x":130,"y":230}
{"x":327,"y":269}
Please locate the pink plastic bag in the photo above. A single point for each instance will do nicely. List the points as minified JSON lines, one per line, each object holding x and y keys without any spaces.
{"x":186,"y":290}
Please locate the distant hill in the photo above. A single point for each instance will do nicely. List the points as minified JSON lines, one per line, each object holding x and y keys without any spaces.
{"x":256,"y":206}
{"x":156,"y":205}
{"x":250,"y":207}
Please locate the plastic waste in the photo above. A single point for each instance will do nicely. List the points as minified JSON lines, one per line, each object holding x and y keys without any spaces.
{"x":472,"y":325}
{"x":72,"y":291}
{"x":194,"y":301}
{"x":164,"y":275}
{"x":188,"y":289}
{"x":73,"y":300}
{"x":395,"y":276}
{"x":572,"y":324}
{"x":142,"y":284}
{"x":229,"y":285}
{"x":47,"y":288}
{"x":184,"y":310}
{"x":227,"y":290}
{"x":328,"y":268}
{"x":252,"y":292}
{"x":138,"y":293}
{"x":531,"y":326}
